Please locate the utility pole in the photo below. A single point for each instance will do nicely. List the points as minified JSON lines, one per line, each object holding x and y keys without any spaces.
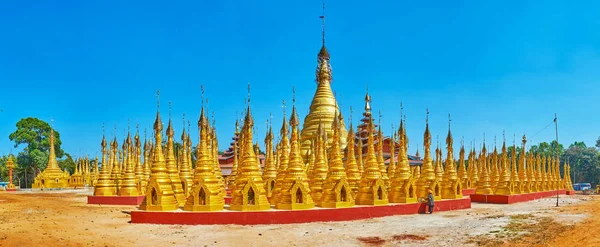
{"x":557,"y":155}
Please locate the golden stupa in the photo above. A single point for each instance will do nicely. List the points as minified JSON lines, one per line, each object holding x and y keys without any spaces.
{"x":185,"y":173}
{"x":128,"y":185}
{"x":320,"y":167}
{"x":10,"y":165}
{"x":324,"y":107}
{"x":249,"y":193}
{"x":451,"y":185}
{"x":172,"y":165}
{"x":403,"y":187}
{"x":52,"y":177}
{"x":284,"y":150}
{"x":270,"y":173}
{"x":372,"y":190}
{"x":336,"y":190}
{"x":159,"y":193}
{"x":205,"y":194}
{"x":353,"y":174}
{"x":295,"y":191}
{"x":427,"y":177}
{"x":105,"y":185}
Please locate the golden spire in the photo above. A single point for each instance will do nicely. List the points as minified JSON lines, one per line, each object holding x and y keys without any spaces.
{"x":283,"y":159}
{"x":462,"y":171}
{"x":352,"y":170}
{"x":323,"y":107}
{"x":495,"y":175}
{"x":184,"y":172}
{"x":450,"y":183}
{"x":473,"y":162}
{"x":249,"y":193}
{"x":172,"y":165}
{"x":128,"y":186}
{"x":270,"y":173}
{"x":206,"y":192}
{"x":503,"y":187}
{"x":295,"y":184}
{"x":52,"y":163}
{"x":105,"y":186}
{"x":391,"y":170}
{"x":380,"y":160}
{"x":319,"y":170}
{"x":483,"y":185}
{"x":514,"y":175}
{"x":139,"y":168}
{"x":427,"y":173}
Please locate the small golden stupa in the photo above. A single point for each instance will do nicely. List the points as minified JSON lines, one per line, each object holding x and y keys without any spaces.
{"x":128,"y":181}
{"x":205,"y":194}
{"x":172,"y":165}
{"x":249,"y":193}
{"x":336,"y":190}
{"x":295,"y":191}
{"x":10,"y":165}
{"x":403,"y":187}
{"x":270,"y":173}
{"x":514,"y":175}
{"x":105,"y":185}
{"x":427,"y":177}
{"x":484,"y":186}
{"x":451,"y":185}
{"x":283,"y":154}
{"x":504,"y":186}
{"x":185,"y":174}
{"x":353,"y":174}
{"x":159,"y":193}
{"x":320,"y":167}
{"x":52,"y":177}
{"x":372,"y":189}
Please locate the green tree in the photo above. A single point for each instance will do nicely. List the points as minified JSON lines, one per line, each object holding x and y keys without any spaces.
{"x":67,"y":163}
{"x":35,"y":134}
{"x":584,"y":161}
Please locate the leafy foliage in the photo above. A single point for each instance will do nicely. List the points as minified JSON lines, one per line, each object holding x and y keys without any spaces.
{"x":35,"y":134}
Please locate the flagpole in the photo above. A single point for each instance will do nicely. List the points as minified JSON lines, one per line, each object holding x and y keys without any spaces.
{"x":557,"y":155}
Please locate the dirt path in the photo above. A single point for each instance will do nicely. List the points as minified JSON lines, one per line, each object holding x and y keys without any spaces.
{"x":64,"y":219}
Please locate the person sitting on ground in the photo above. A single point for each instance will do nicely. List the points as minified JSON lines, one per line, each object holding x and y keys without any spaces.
{"x":430,"y":200}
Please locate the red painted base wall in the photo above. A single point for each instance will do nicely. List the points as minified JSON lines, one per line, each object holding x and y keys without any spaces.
{"x":570,"y":192}
{"x":291,"y":216}
{"x":501,"y":199}
{"x":116,"y":200}
{"x":467,"y":192}
{"x":12,"y":190}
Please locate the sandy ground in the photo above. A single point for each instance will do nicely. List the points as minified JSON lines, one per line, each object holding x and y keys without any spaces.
{"x":62,"y":218}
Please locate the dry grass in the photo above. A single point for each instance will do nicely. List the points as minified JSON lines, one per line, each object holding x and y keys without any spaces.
{"x":372,"y":241}
{"x":409,"y":237}
{"x":522,"y":230}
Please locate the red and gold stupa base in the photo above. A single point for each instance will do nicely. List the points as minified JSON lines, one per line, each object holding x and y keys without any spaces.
{"x":292,"y":216}
{"x":468,"y":192}
{"x":510,"y":199}
{"x":116,"y":200}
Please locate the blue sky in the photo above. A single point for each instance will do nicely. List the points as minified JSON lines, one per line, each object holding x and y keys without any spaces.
{"x":495,"y":66}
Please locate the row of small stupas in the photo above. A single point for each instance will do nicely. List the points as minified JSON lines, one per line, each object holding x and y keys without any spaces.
{"x":328,"y":179}
{"x":54,"y":178}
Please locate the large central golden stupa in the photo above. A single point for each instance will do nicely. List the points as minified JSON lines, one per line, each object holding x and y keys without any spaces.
{"x":323,"y":108}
